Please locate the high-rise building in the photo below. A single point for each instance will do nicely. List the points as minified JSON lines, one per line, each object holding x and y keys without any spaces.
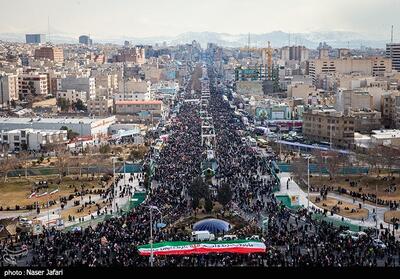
{"x":299,"y":53}
{"x":35,"y":38}
{"x":393,"y":52}
{"x":52,"y":53}
{"x":84,"y":39}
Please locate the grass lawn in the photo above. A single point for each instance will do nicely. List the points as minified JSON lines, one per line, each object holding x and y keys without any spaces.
{"x":390,"y":214}
{"x":329,"y":203}
{"x":367,"y":183}
{"x":17,"y":190}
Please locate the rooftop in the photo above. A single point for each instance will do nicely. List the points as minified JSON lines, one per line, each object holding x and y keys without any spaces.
{"x":152,"y":102}
{"x":25,"y":120}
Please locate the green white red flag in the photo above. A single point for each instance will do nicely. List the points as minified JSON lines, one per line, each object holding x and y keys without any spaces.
{"x":188,"y":248}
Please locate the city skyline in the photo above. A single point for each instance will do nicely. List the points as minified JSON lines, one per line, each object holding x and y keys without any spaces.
{"x":110,"y":19}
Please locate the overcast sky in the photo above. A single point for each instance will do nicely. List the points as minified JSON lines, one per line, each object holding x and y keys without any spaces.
{"x":112,"y":18}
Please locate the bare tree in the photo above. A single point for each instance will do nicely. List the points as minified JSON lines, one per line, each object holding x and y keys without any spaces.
{"x":8,"y":163}
{"x":299,"y":169}
{"x":389,"y":157}
{"x":332,"y":164}
{"x":23,"y":158}
{"x":87,"y":159}
{"x":318,"y":155}
{"x":62,"y":159}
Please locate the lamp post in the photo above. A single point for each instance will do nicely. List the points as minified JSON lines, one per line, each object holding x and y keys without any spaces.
{"x":308,"y":183}
{"x":151,"y":207}
{"x":114,"y":187}
{"x":376,"y":210}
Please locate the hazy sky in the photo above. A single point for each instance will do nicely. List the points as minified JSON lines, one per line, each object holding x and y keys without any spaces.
{"x":112,"y":18}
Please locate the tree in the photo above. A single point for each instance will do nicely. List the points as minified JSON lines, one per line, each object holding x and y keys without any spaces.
{"x":64,"y":104}
{"x":224,"y":194}
{"x":138,"y":153}
{"x":62,"y":159}
{"x":299,"y":169}
{"x":390,"y":157}
{"x":8,"y":164}
{"x":23,"y":159}
{"x":105,"y":149}
{"x":87,"y":159}
{"x":319,"y":160}
{"x":208,"y":205}
{"x":79,"y":105}
{"x":332,"y":164}
{"x":70,"y":133}
{"x":198,"y":190}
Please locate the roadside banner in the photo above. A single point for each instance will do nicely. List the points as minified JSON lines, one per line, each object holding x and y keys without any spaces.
{"x":188,"y":248}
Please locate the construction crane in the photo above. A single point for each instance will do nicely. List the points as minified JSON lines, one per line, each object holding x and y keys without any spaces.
{"x":266,"y":54}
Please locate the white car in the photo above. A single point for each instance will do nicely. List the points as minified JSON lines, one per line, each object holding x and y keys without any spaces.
{"x":378,"y":243}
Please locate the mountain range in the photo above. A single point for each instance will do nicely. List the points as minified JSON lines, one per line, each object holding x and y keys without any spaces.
{"x":277,"y":39}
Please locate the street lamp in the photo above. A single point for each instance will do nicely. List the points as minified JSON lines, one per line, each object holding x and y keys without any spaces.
{"x":151,"y":207}
{"x":308,"y":183}
{"x":113,"y":162}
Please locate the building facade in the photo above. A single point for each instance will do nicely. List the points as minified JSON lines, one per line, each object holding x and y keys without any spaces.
{"x":30,"y":139}
{"x":393,"y":52}
{"x":32,"y":84}
{"x":329,"y":125}
{"x":35,"y":38}
{"x":8,"y":88}
{"x":100,"y":106}
{"x":55,"y":54}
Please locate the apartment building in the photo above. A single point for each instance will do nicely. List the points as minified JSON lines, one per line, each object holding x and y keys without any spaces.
{"x":375,"y":66}
{"x":72,"y":95}
{"x":134,"y":107}
{"x":86,"y":84}
{"x":393,"y":52}
{"x":55,"y":54}
{"x":31,"y":139}
{"x":32,"y":84}
{"x":8,"y":88}
{"x":351,"y":99}
{"x":329,"y":125}
{"x":390,"y":108}
{"x":100,"y":106}
{"x":134,"y":91}
{"x":366,"y":120}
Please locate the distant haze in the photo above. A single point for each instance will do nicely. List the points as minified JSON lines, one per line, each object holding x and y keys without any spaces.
{"x":104,"y":19}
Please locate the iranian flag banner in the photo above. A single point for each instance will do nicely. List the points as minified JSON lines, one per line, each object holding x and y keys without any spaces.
{"x":188,"y":248}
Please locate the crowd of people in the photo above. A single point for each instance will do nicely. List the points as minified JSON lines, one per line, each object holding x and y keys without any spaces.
{"x":292,"y":238}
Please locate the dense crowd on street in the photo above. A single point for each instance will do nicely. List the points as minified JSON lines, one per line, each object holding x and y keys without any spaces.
{"x":291,"y":238}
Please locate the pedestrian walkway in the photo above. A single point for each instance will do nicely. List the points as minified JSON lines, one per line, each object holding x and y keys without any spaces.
{"x":294,"y":189}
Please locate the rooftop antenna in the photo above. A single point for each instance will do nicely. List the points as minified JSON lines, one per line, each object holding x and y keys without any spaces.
{"x":48,"y":29}
{"x":391,"y":36}
{"x":248,"y":45}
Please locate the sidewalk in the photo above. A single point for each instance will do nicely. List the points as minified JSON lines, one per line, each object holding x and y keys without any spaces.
{"x":294,"y":189}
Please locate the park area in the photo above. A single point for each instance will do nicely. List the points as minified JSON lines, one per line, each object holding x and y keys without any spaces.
{"x":16,"y":191}
{"x":386,"y":186}
{"x":351,"y":211}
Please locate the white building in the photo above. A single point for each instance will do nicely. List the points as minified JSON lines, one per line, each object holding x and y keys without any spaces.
{"x":31,"y":139}
{"x":32,"y":84}
{"x":134,"y":91}
{"x":72,"y":95}
{"x":8,"y":88}
{"x":86,"y":84}
{"x":95,"y":127}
